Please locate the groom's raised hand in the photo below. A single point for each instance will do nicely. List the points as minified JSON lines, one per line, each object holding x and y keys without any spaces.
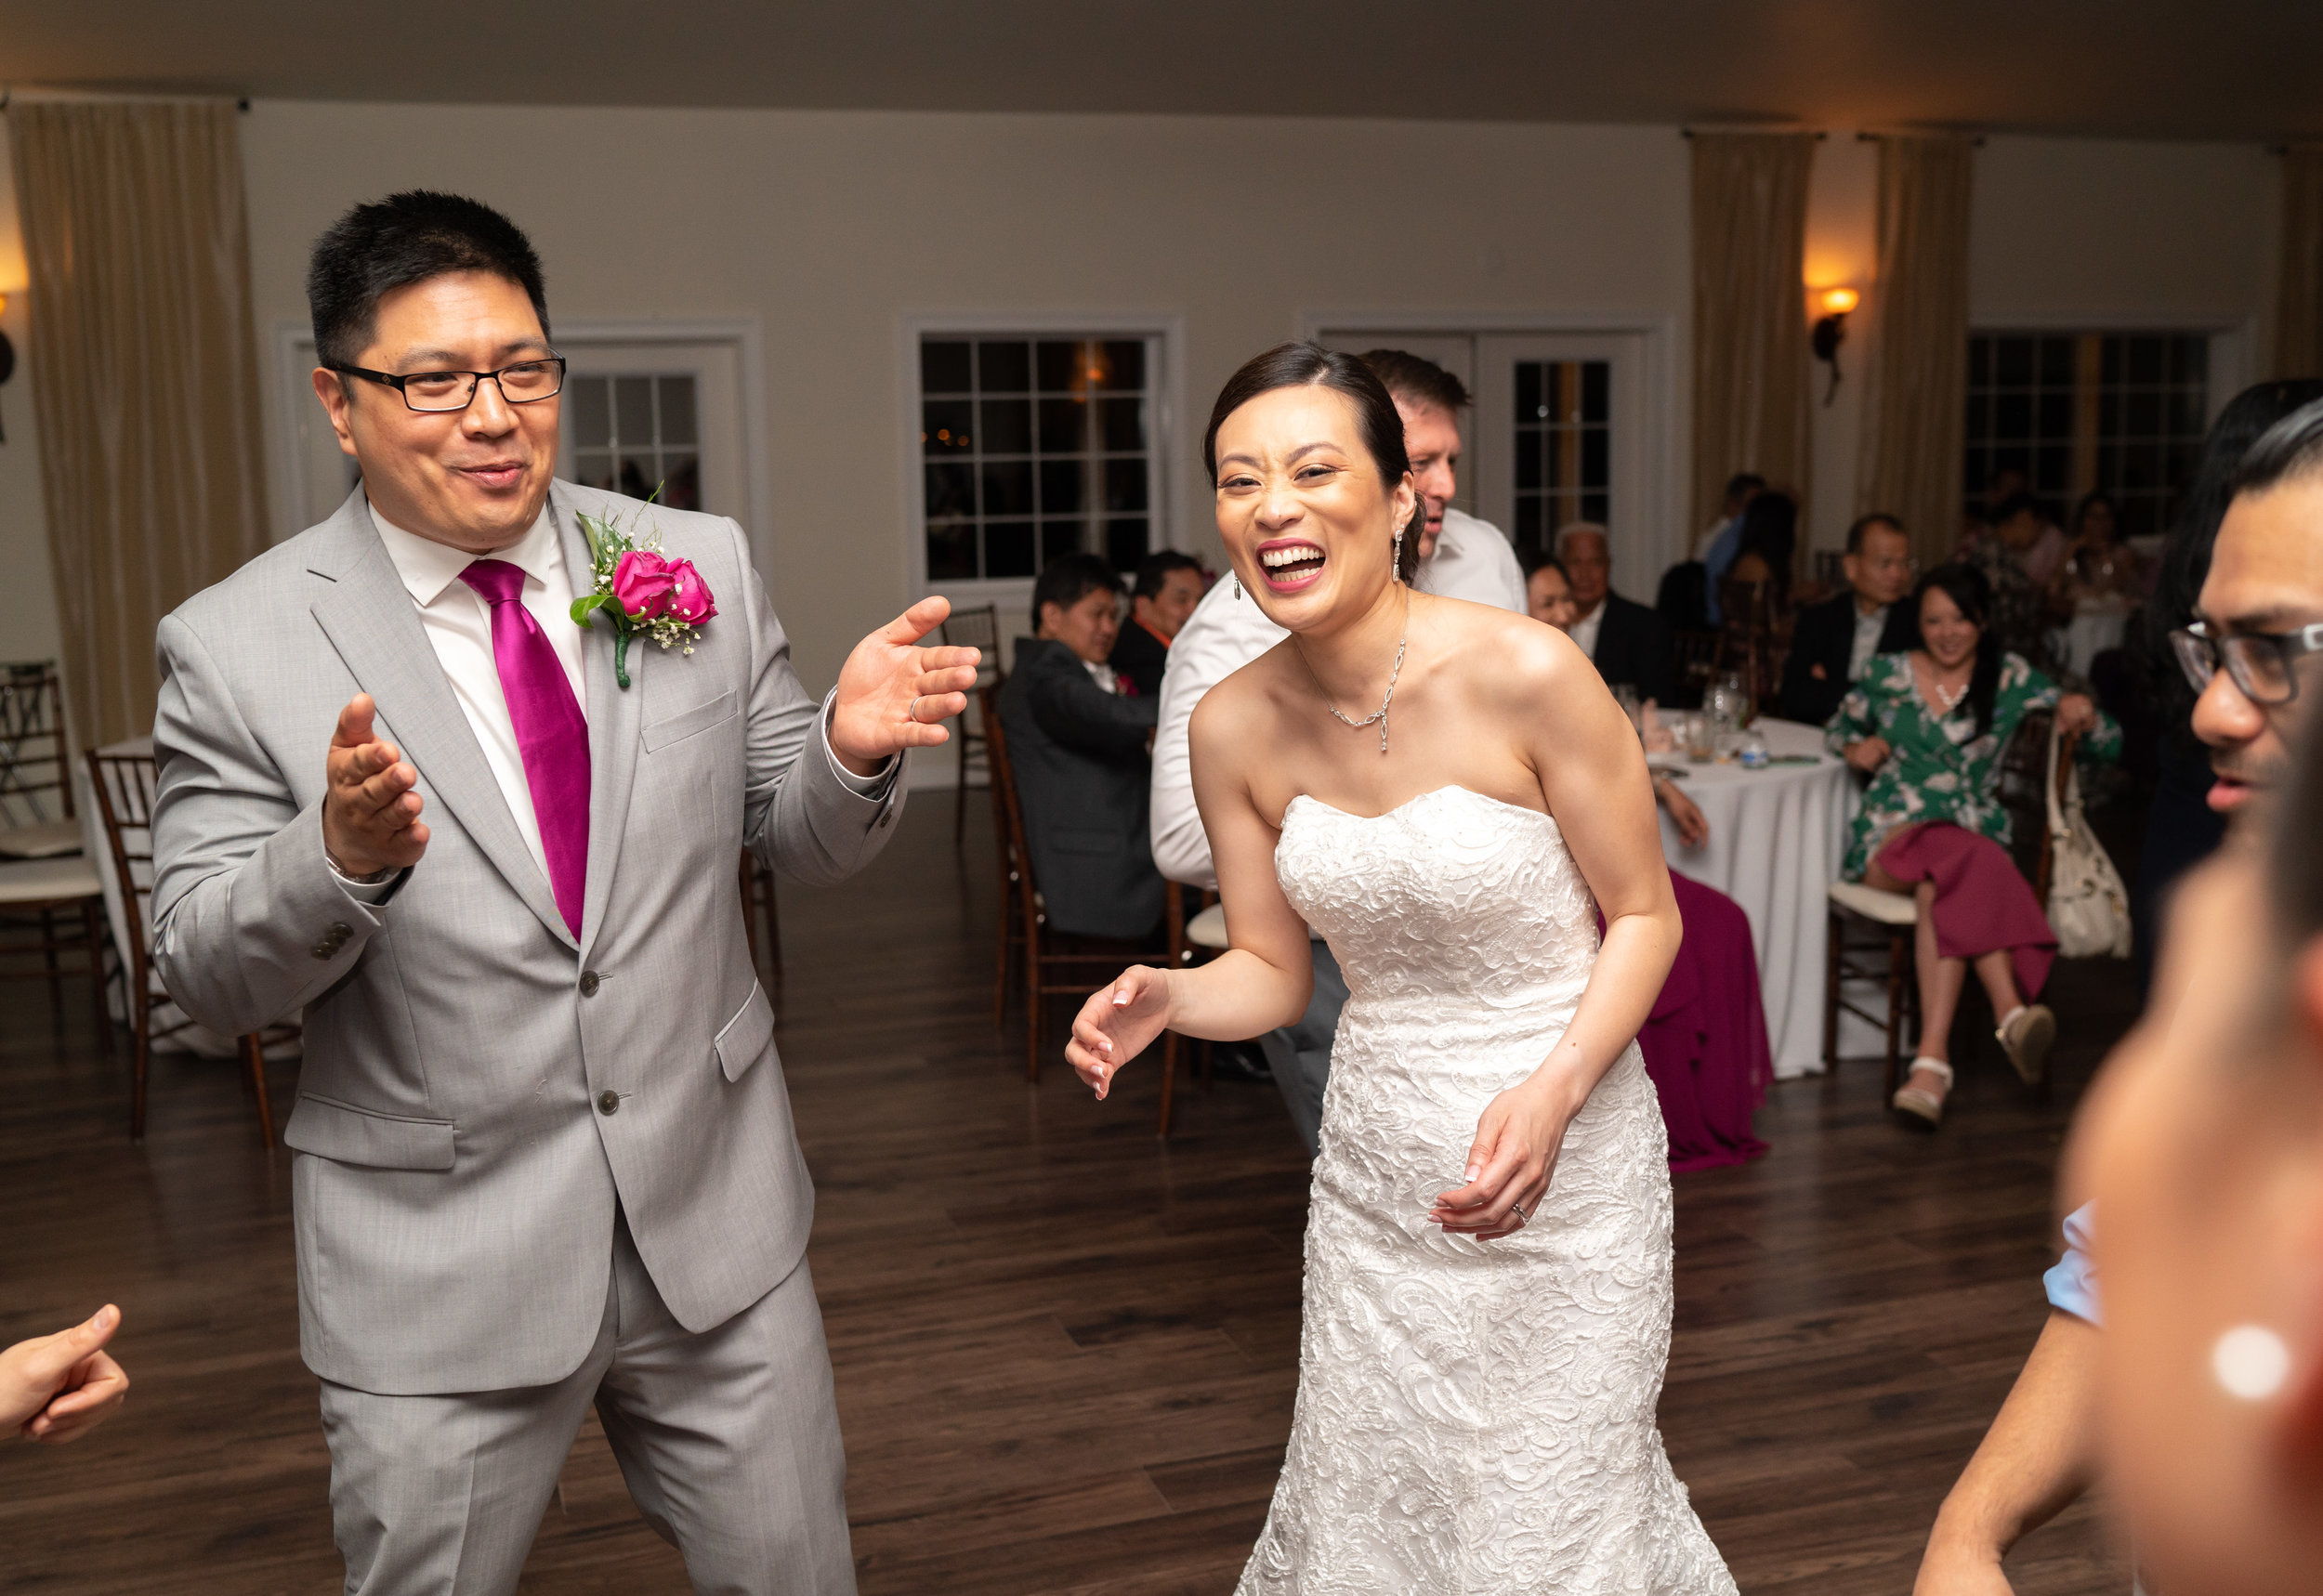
{"x":893,"y":693}
{"x":369,"y":814}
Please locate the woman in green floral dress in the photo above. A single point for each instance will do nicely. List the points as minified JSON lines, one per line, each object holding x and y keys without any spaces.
{"x":1929,"y":726}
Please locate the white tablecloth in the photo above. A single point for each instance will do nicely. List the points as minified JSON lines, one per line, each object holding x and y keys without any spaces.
{"x":1776,"y":839}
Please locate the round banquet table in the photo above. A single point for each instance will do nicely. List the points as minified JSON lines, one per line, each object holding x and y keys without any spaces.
{"x":1776,"y":839}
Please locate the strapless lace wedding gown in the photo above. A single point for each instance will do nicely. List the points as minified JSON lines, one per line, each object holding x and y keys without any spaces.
{"x":1474,"y":1418}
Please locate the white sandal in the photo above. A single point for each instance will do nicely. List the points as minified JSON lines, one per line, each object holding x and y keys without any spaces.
{"x":1917,"y":1102}
{"x":2025,"y":1037}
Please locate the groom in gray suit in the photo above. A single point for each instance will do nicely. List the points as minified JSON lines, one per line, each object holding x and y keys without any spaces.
{"x":545,"y":1156}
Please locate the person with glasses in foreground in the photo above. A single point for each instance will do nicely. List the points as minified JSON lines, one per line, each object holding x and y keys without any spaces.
{"x":2251,"y":657}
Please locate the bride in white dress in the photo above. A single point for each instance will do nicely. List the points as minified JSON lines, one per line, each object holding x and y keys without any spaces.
{"x":1487,"y":1289}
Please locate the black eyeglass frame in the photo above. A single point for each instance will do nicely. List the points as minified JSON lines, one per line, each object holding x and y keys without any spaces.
{"x":2198,"y":654}
{"x":475,"y":383}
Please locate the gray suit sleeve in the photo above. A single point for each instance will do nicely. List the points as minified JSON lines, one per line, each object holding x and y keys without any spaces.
{"x":249,"y":922}
{"x":798,"y":816}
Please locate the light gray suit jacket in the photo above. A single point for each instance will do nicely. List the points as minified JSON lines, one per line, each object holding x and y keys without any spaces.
{"x":455,"y":1181}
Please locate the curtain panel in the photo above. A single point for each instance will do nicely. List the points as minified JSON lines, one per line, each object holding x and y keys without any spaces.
{"x":1916,"y":398}
{"x":2299,"y":305}
{"x":1750,"y":357}
{"x":145,"y":378}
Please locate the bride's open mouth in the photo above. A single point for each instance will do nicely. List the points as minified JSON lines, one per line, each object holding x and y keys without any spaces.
{"x":1290,"y":564}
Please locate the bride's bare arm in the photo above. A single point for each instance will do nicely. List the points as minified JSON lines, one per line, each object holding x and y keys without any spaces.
{"x":1265,"y":978}
{"x":1593,"y":778}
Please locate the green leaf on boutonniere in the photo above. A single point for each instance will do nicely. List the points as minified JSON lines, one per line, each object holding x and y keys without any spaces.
{"x":582,"y":608}
{"x":593,"y":531}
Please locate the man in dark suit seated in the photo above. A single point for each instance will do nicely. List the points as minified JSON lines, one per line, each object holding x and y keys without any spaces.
{"x":1836,"y":640}
{"x":1169,"y":586}
{"x":1082,"y":750}
{"x":1626,"y":641}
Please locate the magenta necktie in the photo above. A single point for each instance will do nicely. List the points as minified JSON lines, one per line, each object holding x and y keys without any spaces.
{"x":551,"y":735}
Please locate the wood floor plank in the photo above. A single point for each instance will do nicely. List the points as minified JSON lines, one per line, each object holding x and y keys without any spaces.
{"x":1065,"y":1352}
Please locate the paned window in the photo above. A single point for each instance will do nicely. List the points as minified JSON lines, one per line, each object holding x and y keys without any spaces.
{"x":1564,"y":447}
{"x":633,"y":433}
{"x":1036,"y":446}
{"x":2121,"y":413}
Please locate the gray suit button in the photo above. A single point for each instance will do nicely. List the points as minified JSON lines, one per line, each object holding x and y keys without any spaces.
{"x":323,"y":951}
{"x":588,"y":989}
{"x":608,"y":1103}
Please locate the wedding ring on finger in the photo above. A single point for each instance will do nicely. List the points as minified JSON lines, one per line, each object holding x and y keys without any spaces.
{"x":914,"y":712}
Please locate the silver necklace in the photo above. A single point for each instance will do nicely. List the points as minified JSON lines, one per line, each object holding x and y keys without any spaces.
{"x":1380,"y":715}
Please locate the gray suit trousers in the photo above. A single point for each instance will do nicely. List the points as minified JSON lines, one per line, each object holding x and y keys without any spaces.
{"x":1299,"y":1055}
{"x":728,"y":1441}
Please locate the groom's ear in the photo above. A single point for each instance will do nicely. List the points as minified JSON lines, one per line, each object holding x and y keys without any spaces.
{"x":331,"y":389}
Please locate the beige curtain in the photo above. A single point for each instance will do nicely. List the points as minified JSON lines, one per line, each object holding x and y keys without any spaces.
{"x":2299,"y":308}
{"x":145,"y":378}
{"x":1750,"y":357}
{"x":1916,"y":397}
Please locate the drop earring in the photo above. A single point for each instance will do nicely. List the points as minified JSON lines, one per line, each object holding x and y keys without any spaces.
{"x":1394,"y":567}
{"x":1238,"y":588}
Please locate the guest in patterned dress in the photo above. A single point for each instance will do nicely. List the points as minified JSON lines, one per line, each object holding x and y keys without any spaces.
{"x":1928,"y":726}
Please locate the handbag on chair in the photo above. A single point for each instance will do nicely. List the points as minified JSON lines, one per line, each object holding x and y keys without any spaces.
{"x":2089,"y":909}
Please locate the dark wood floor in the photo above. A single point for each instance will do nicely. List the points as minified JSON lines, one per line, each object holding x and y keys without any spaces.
{"x":1066,"y":1354}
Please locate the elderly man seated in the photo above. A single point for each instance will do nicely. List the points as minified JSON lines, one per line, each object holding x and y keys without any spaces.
{"x":1082,"y":752}
{"x":1626,"y":641}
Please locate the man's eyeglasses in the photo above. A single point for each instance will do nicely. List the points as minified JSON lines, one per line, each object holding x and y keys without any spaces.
{"x":527,"y":382}
{"x":2260,"y":662}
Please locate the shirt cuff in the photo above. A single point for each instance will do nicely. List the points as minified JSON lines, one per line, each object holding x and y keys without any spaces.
{"x":879,"y":783}
{"x":369,"y":893}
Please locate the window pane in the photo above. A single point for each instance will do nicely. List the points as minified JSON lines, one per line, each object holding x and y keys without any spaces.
{"x":1125,"y":484}
{"x":2056,"y":363}
{"x":2055,"y":471}
{"x":592,"y":412}
{"x":1597,"y":391}
{"x":2109,"y":361}
{"x":1058,"y":363}
{"x":1063,"y":487}
{"x":677,"y":409}
{"x":1979,"y":362}
{"x":592,"y":469}
{"x":2185,"y":412}
{"x":1596,"y":469}
{"x":2192,"y":364}
{"x":2012,"y":416}
{"x":1064,"y":425}
{"x":1003,"y":368}
{"x":944,"y":426}
{"x":1008,"y":548}
{"x":2012,"y":361}
{"x":2145,"y":415}
{"x":951,"y":551}
{"x":1126,"y":542}
{"x":1123,"y":362}
{"x":1528,"y":528}
{"x":1979,"y":417}
{"x":1007,"y":491}
{"x":1595,"y":507}
{"x":1124,"y":422}
{"x":681,"y":476}
{"x":2145,"y":359}
{"x":1062,"y":538}
{"x":1529,"y":392}
{"x":633,"y":410}
{"x":951,"y":490}
{"x":1007,"y":427}
{"x":943,"y":367}
{"x":1527,"y":458}
{"x":2056,"y":414}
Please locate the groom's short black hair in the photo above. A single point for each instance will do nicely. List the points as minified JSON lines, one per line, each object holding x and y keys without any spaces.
{"x":405,"y":238}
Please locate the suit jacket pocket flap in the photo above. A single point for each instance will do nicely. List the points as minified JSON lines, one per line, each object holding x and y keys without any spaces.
{"x":670,"y":729}
{"x":350,"y":1135}
{"x":747,"y":1035}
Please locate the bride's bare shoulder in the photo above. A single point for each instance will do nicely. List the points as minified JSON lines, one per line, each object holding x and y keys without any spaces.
{"x":1509,"y":654}
{"x":1244,"y":705}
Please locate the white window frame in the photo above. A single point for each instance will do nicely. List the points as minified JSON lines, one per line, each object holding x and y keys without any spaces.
{"x":300,"y":450}
{"x":1663,"y":540}
{"x":1013,"y":594}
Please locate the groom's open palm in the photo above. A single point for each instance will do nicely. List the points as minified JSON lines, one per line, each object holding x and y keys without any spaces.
{"x":892,"y":693}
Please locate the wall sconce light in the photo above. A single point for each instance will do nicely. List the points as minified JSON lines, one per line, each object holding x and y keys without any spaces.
{"x":1831,"y":332}
{"x":7,"y":362}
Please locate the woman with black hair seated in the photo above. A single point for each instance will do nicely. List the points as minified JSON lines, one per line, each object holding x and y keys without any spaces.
{"x":1928,"y":726}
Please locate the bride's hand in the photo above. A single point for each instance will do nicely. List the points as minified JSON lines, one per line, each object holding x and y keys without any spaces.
{"x":1117,"y":1023}
{"x":1509,"y":1165}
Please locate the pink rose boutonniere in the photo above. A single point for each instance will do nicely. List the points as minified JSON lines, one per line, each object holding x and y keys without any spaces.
{"x":642,"y":590}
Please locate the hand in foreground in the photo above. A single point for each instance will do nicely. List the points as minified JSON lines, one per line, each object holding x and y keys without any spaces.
{"x":2075,"y":713}
{"x":369,"y":814}
{"x":58,"y":1388}
{"x":1509,"y":1165}
{"x":1869,"y":754}
{"x":892,"y":694}
{"x":1117,"y":1023}
{"x":1685,"y":813}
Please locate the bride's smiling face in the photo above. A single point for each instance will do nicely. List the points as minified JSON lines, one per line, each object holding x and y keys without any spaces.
{"x":1302,"y":509}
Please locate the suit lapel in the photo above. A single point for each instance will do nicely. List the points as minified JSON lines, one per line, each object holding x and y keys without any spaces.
{"x":368,"y":614}
{"x":615,"y":716}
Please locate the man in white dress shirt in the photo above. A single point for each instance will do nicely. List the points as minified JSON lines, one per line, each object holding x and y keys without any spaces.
{"x":1460,"y":558}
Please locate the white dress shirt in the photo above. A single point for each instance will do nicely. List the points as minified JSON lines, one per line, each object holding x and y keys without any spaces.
{"x":1102,"y":675}
{"x":1472,"y":561}
{"x":459,"y":626}
{"x":1583,"y":631}
{"x":1867,"y":640}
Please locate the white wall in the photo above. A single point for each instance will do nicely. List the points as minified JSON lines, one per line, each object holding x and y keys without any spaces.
{"x":829,"y":226}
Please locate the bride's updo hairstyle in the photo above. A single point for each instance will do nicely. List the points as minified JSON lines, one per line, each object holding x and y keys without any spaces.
{"x":1302,"y":365}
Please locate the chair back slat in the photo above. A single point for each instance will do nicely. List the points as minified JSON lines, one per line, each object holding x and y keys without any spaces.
{"x":36,"y":772}
{"x":124,"y":786}
{"x":977,"y":628}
